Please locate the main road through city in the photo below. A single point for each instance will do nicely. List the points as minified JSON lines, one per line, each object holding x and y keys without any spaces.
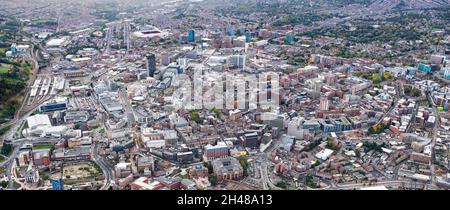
{"x":107,"y":171}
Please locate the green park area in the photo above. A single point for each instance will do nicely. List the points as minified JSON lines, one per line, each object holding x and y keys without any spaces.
{"x":374,"y":75}
{"x":4,"y":68}
{"x":13,"y":78}
{"x":14,"y":73}
{"x":42,"y":146}
{"x":39,"y":22}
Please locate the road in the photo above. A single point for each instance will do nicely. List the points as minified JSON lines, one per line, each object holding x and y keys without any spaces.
{"x":433,"y":140}
{"x":9,"y":166}
{"x":9,"y":159}
{"x":107,"y":171}
{"x":389,"y":111}
{"x":396,"y":183}
{"x":267,"y":183}
{"x":263,"y":158}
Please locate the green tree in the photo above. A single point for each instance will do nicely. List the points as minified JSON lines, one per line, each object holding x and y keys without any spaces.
{"x":376,"y":129}
{"x":208,"y":165}
{"x":6,"y":149}
{"x":216,"y":112}
{"x":244,"y":165}
{"x":331,"y":144}
{"x":312,"y":145}
{"x":195,"y":117}
{"x":4,"y":184}
{"x":212,"y":179}
{"x":281,"y":184}
{"x":376,"y":78}
{"x":387,"y":75}
{"x":77,"y":126}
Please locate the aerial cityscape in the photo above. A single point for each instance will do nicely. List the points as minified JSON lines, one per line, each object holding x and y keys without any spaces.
{"x":224,"y":94}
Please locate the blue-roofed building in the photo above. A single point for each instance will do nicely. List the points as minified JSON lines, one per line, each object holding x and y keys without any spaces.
{"x":312,"y":125}
{"x":328,"y":126}
{"x":54,"y":105}
{"x":348,"y":144}
{"x":339,"y":126}
{"x":230,"y":30}
{"x":447,"y":73}
{"x":289,"y":38}
{"x":191,"y":35}
{"x":248,"y":36}
{"x":14,"y":48}
{"x":182,"y":39}
{"x":168,"y":155}
{"x":411,"y":71}
{"x":241,"y":30}
{"x":57,"y":184}
{"x":424,"y":68}
{"x":185,"y":156}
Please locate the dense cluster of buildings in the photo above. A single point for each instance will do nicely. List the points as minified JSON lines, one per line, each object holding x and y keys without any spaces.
{"x":123,"y":109}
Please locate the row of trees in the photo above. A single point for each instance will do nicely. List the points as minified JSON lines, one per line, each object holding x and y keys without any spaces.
{"x":376,"y":78}
{"x":368,"y":146}
{"x":312,"y":145}
{"x":297,"y":61}
{"x":282,"y":184}
{"x":211,"y":177}
{"x":374,"y":75}
{"x":244,"y":164}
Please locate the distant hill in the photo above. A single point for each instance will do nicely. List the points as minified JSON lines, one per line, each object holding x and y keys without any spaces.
{"x":409,"y":4}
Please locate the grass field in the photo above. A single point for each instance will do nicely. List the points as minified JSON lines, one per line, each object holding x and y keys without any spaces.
{"x":4,"y":68}
{"x":44,"y":146}
{"x":3,"y":50}
{"x":44,"y":22}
